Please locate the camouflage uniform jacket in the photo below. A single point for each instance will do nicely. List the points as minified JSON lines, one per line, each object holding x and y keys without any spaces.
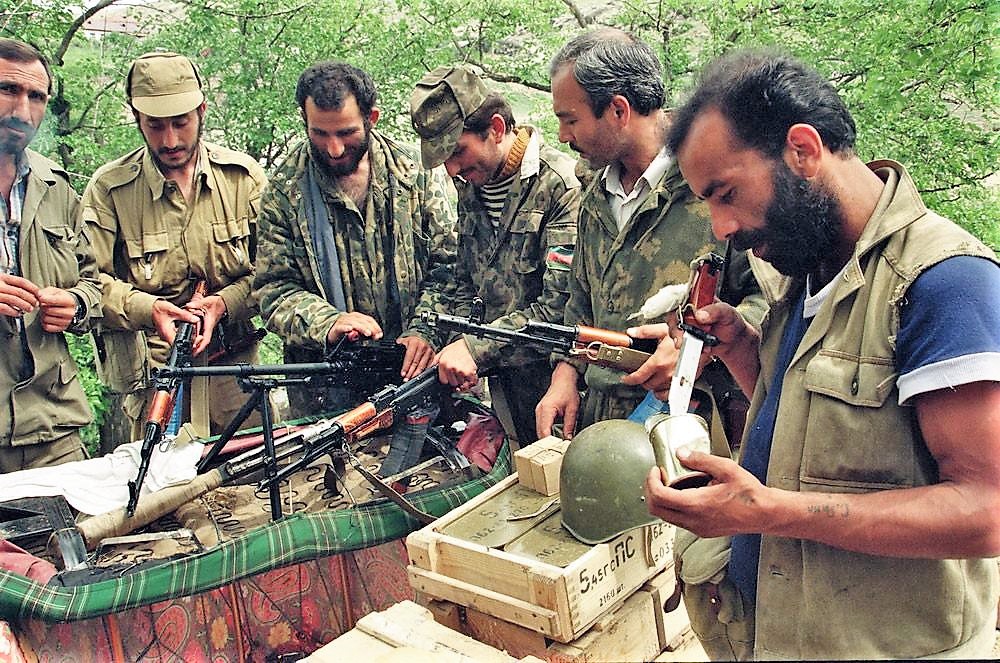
{"x":521,"y":269}
{"x":407,"y":208}
{"x":615,"y":272}
{"x":52,"y":251}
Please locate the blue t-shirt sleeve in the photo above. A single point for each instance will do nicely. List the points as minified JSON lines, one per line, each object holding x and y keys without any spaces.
{"x":949,"y":332}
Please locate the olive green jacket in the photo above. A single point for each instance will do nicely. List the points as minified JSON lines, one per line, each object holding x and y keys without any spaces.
{"x":614,"y":273}
{"x":53,"y":250}
{"x":407,"y":201}
{"x":521,"y":269}
{"x":839,"y":428}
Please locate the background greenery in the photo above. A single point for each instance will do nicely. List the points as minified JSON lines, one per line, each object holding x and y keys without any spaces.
{"x":919,"y":76}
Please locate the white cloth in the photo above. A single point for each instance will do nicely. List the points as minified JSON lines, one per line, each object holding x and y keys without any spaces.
{"x":100,"y":485}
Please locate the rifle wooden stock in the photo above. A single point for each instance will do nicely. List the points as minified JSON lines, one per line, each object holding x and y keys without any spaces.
{"x":704,"y":285}
{"x":587,"y":335}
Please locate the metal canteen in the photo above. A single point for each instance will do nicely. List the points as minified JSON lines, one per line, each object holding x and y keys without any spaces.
{"x":667,"y":434}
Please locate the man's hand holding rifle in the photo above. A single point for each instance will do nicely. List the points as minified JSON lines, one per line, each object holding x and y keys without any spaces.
{"x":603,"y":347}
{"x":161,"y":407}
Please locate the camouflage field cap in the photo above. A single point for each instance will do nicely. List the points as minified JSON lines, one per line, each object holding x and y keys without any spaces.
{"x":439,"y":105}
{"x":163,"y":85}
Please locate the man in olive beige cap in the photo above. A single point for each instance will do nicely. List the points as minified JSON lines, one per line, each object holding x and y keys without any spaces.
{"x":165,"y":217}
{"x":517,"y":209}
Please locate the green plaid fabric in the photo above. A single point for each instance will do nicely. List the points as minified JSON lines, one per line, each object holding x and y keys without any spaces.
{"x":294,"y":539}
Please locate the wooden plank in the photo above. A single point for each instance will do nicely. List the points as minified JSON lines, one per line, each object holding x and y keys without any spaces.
{"x":351,"y":646}
{"x":661,"y":587}
{"x":627,"y":634}
{"x":690,"y":651}
{"x":408,"y":625}
{"x":488,"y":568}
{"x":497,"y":604}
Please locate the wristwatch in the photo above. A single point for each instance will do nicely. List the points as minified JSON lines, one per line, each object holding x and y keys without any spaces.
{"x":81,"y":311}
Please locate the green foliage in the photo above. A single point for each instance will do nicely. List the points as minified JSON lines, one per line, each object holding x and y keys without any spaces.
{"x":82,"y":351}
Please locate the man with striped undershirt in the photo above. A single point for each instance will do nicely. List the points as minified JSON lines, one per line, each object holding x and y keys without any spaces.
{"x":518,"y":201}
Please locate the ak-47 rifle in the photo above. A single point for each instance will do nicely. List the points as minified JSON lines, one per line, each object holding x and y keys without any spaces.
{"x":602,"y":347}
{"x":377,"y":413}
{"x":161,"y":407}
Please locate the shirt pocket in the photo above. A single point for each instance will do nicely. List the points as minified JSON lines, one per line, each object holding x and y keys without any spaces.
{"x":63,"y":270}
{"x":232,"y":245}
{"x":147,"y":260}
{"x":526,"y":242}
{"x":852,"y":435}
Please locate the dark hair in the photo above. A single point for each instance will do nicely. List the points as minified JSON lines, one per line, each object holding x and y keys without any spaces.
{"x":18,"y":51}
{"x":478,"y":120}
{"x":329,"y":83}
{"x":763,"y":93}
{"x":609,"y":62}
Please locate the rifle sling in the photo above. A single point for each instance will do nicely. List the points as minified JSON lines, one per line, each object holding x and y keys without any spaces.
{"x":388,"y":492}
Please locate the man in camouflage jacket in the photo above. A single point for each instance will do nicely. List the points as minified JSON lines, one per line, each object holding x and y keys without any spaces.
{"x":355,"y":237}
{"x":639,"y":227}
{"x":517,"y":208}
{"x":174,"y":213}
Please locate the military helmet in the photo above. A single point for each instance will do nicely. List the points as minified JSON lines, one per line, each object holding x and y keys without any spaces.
{"x":602,"y":480}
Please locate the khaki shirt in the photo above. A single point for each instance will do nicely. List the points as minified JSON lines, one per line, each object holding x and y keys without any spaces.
{"x":53,"y":251}
{"x":150,"y":243}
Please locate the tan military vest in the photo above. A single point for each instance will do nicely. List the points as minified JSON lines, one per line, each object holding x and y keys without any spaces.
{"x":844,"y":431}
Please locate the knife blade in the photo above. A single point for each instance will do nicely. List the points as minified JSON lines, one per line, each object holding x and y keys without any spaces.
{"x":705,"y":272}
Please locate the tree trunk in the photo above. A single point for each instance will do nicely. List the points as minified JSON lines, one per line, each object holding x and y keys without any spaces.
{"x":115,"y":429}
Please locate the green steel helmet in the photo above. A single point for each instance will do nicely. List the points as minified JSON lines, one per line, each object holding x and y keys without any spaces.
{"x":602,"y":480}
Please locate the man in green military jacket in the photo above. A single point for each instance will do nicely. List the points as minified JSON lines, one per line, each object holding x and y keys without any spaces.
{"x":518,"y":200}
{"x":355,"y":237}
{"x":48,"y":281}
{"x":174,"y":213}
{"x":639,"y":227}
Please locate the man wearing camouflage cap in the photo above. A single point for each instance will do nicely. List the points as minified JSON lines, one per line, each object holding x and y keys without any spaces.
{"x":165,"y":217}
{"x":517,"y":208}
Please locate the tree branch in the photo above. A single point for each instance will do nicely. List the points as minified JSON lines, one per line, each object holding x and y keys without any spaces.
{"x":581,"y":20}
{"x":75,"y":26}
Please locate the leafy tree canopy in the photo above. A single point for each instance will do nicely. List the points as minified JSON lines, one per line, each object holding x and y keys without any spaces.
{"x":919,"y":76}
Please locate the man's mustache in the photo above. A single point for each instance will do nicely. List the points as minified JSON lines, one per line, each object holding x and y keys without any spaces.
{"x":19,"y":125}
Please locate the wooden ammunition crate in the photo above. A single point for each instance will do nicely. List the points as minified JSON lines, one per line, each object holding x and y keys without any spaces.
{"x":406,"y":632}
{"x":491,"y":555}
{"x":641,"y":628}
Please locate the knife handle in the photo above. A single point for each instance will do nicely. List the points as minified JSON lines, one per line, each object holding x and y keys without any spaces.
{"x":704,"y":285}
